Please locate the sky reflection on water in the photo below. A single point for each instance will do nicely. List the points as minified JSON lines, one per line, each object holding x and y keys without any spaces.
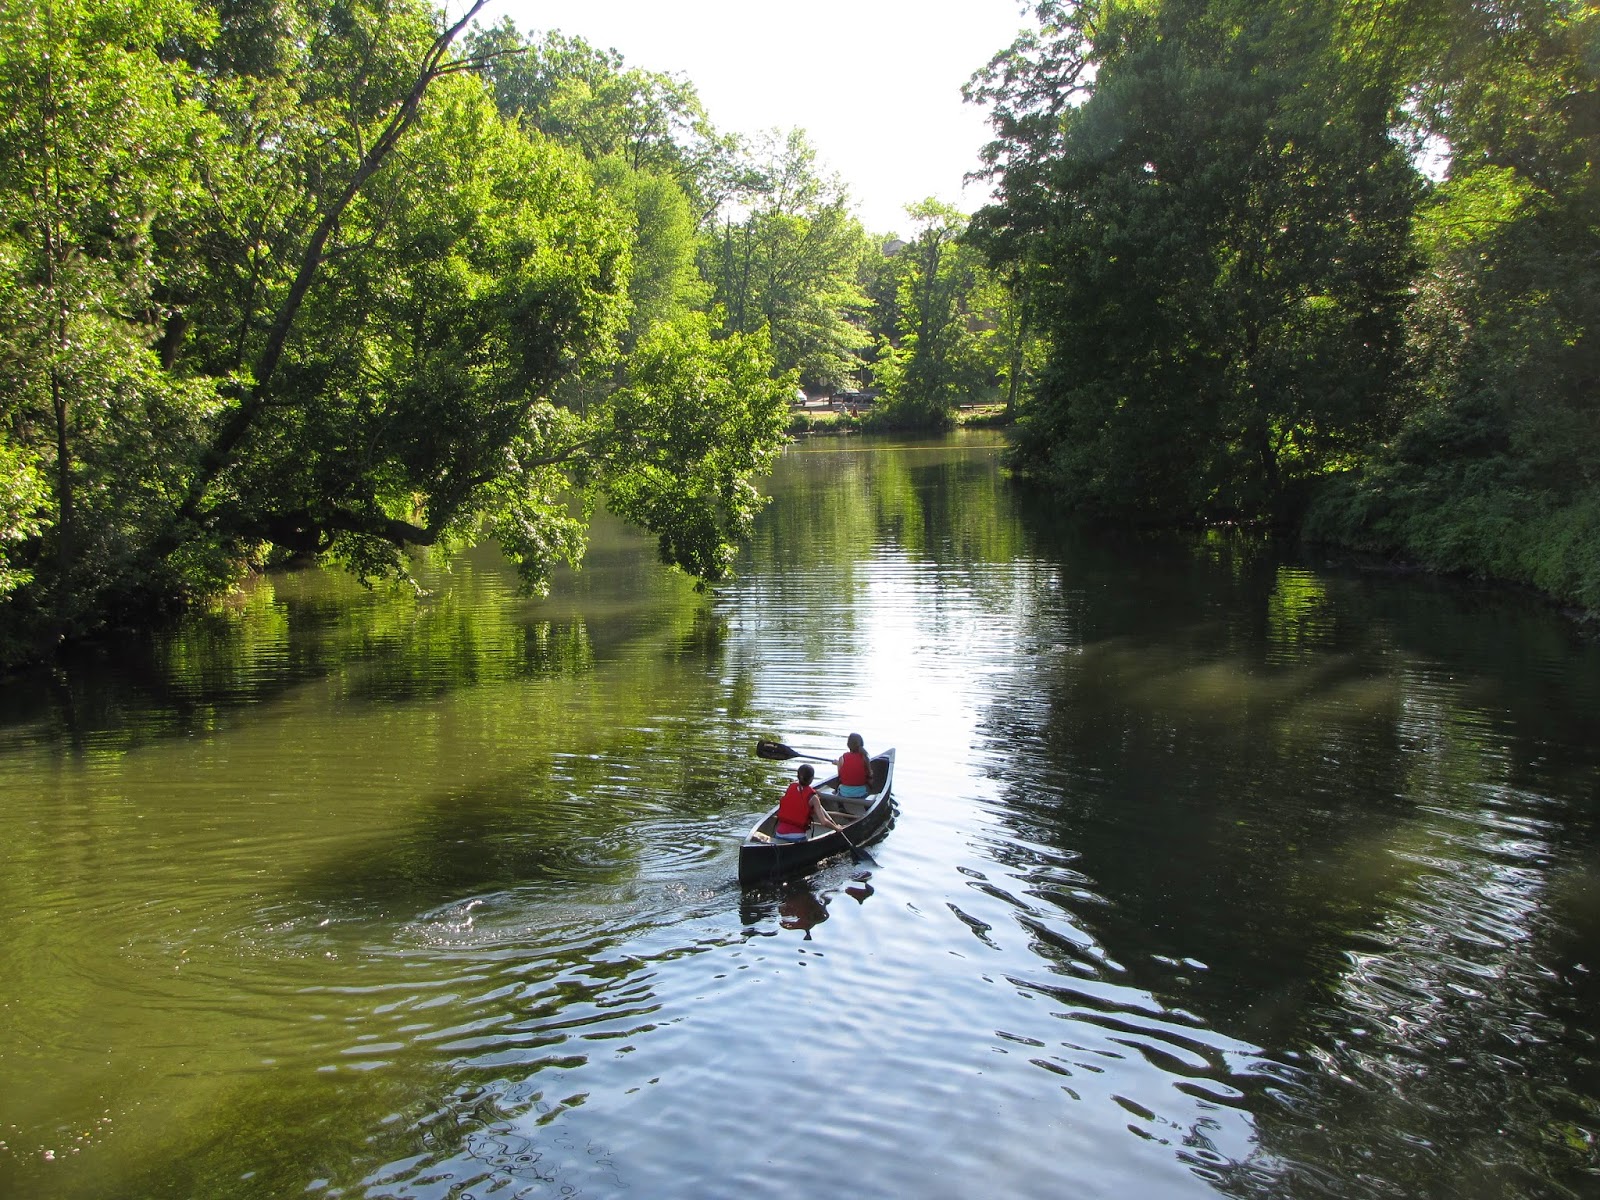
{"x":1216,"y":872}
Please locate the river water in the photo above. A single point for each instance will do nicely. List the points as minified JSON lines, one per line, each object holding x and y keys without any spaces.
{"x":1217,"y":871}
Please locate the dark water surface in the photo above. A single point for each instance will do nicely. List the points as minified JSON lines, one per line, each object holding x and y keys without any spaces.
{"x":1216,"y":872}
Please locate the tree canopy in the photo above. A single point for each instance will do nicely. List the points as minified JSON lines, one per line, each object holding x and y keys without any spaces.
{"x":785,"y":256}
{"x":1216,"y":237}
{"x":281,"y":278}
{"x":1318,"y":266}
{"x":953,"y":326}
{"x":350,"y":278}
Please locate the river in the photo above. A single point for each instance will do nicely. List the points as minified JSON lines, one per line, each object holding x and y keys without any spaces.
{"x":1218,"y":869}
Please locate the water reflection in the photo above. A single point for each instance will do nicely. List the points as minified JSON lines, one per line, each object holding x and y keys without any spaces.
{"x":1304,"y":838}
{"x":800,"y":904}
{"x":800,"y":909}
{"x":1215,"y":871}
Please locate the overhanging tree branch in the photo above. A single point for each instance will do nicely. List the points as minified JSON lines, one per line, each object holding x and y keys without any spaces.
{"x":220,"y":453}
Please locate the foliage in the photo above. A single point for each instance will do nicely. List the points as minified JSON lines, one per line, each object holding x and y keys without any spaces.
{"x":1495,"y":469}
{"x":696,"y":418}
{"x":23,"y":498}
{"x":652,"y":148}
{"x":1257,"y":306}
{"x":96,"y":175}
{"x":589,"y":99}
{"x":1215,"y":239}
{"x":788,"y":261}
{"x":664,"y":281}
{"x":280,"y":279}
{"x":956,"y":330}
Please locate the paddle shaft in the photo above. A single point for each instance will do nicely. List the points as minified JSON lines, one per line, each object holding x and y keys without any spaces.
{"x":857,"y":854}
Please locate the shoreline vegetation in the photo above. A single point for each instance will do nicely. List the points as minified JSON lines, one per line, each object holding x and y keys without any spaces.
{"x":1327,"y":268}
{"x":348,"y":280}
{"x":841,"y":421}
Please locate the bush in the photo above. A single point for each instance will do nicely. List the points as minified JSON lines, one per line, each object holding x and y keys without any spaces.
{"x":1479,"y":518}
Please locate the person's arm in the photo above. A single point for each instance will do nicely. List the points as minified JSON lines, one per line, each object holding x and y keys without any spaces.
{"x":821,"y":813}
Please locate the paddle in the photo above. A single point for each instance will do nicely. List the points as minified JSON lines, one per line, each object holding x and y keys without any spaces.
{"x":778,"y":752}
{"x":857,"y":853}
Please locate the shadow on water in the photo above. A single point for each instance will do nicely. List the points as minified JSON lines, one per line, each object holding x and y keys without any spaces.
{"x":515,"y":831}
{"x":1285,"y":812}
{"x":574,"y":821}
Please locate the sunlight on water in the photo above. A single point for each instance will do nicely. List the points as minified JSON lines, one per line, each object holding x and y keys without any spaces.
{"x":1212,"y":873}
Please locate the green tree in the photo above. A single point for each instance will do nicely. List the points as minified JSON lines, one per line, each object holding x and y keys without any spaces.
{"x":591,"y":100}
{"x":652,"y":147}
{"x":944,"y":302}
{"x":1496,"y":467}
{"x":664,"y":277}
{"x":697,"y":418}
{"x":788,"y":262}
{"x":97,"y":169}
{"x":288,"y":282}
{"x":1213,"y":217}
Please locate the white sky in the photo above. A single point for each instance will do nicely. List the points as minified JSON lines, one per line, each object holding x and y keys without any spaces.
{"x":876,"y":84}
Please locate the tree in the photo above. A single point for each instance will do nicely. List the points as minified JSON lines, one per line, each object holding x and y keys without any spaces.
{"x":651,"y":145}
{"x":591,"y":100}
{"x":1213,"y":221}
{"x":288,"y":283}
{"x":96,"y":168}
{"x":789,"y":263}
{"x":944,"y":319}
{"x":698,"y":416}
{"x":663,"y":278}
{"x":1495,"y":468}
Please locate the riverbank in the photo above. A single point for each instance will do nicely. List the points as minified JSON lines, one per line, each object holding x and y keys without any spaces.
{"x":821,"y":420}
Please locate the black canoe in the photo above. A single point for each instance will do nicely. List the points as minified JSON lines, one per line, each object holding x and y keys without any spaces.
{"x":761,"y":856}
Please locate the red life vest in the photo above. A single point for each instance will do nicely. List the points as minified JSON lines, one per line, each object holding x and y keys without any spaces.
{"x":854,"y":770}
{"x":794,"y":810}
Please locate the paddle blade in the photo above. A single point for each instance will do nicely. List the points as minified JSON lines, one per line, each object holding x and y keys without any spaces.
{"x":859,"y":854}
{"x":776,"y":751}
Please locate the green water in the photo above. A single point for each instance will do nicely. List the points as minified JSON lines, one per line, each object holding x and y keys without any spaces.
{"x":1217,"y":870}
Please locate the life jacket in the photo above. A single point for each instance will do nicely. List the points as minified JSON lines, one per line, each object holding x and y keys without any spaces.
{"x":855,"y":770}
{"x":794,"y":810}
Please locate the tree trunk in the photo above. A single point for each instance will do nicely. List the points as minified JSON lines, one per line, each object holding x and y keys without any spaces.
{"x":60,"y":400}
{"x":238,"y":424}
{"x":1019,"y":331}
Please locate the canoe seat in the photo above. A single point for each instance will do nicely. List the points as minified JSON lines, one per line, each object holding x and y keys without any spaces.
{"x":844,"y":806}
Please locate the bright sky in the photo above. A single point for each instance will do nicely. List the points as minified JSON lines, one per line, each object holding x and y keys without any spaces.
{"x":876,"y":84}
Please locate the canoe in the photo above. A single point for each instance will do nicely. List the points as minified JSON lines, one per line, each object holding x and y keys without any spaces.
{"x":762,"y":856}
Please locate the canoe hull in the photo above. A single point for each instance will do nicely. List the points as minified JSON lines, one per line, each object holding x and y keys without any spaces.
{"x":761,"y":857}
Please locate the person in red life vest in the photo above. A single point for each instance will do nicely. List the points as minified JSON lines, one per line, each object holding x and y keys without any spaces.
{"x":855,"y":769}
{"x":800,"y":806}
